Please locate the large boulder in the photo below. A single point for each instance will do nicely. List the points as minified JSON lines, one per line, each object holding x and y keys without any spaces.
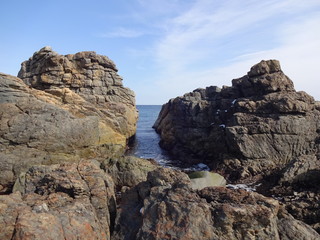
{"x":66,"y":201}
{"x":56,"y":119}
{"x":252,"y":128}
{"x":166,"y":207}
{"x":92,"y":77}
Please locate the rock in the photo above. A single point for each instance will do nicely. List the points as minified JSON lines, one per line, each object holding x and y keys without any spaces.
{"x":128,"y":171}
{"x":259,"y":130}
{"x":91,"y":76}
{"x":203,"y":179}
{"x":255,"y":127}
{"x":165,"y":207}
{"x":56,"y":120}
{"x":298,"y":187}
{"x":289,"y":228}
{"x":66,"y":201}
{"x":302,"y":172}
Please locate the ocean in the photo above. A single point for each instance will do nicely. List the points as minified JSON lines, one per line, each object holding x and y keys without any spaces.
{"x":146,"y":145}
{"x":146,"y":142}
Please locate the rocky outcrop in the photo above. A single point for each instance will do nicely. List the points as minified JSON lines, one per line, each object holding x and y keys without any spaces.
{"x":64,"y":125}
{"x":165,"y":207}
{"x":258,"y":130}
{"x":73,"y":107}
{"x":91,"y":76}
{"x":66,"y":201}
{"x":258,"y":125}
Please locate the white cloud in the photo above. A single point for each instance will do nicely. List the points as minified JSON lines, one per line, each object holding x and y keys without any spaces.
{"x":123,"y":33}
{"x":214,"y":42}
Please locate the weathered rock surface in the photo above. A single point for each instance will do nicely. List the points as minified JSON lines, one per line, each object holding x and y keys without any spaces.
{"x":57,"y":119}
{"x":128,"y":171}
{"x":260,"y":129}
{"x":66,"y":201}
{"x":298,"y":187}
{"x":93,"y":77}
{"x":256,"y":126}
{"x":165,"y":207}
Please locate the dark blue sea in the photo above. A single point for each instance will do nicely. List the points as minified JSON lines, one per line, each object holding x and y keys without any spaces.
{"x":146,"y":142}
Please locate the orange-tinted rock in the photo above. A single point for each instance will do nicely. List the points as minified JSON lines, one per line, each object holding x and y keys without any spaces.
{"x":66,"y":201}
{"x":55,"y":120}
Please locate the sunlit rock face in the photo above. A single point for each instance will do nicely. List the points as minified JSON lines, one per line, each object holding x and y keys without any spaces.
{"x":62,"y":108}
{"x":91,"y":76}
{"x":60,"y":201}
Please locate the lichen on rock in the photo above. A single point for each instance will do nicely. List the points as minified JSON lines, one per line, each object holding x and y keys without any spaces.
{"x":62,"y":109}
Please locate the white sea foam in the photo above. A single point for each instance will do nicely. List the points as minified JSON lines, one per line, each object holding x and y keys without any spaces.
{"x":246,"y":187}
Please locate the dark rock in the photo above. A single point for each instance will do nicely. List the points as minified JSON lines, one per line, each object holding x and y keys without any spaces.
{"x":298,"y":187}
{"x":165,"y":207}
{"x":260,"y":129}
{"x":258,"y":125}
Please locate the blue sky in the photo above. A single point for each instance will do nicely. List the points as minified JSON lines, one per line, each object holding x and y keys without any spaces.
{"x":165,"y":48}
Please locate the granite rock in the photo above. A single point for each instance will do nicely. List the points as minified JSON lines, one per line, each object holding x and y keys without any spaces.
{"x":128,"y":171}
{"x":91,"y":76}
{"x":66,"y":201}
{"x":53,"y":121}
{"x":256,"y":126}
{"x":259,"y":130}
{"x":166,"y":207}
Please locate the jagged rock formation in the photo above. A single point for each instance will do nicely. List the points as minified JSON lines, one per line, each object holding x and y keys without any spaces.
{"x":260,"y":129}
{"x":74,"y":107}
{"x":258,"y":125}
{"x":93,"y":77}
{"x":67,"y":201}
{"x":165,"y":207}
{"x":64,"y":125}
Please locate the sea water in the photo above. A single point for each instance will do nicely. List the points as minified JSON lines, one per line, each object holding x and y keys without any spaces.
{"x":146,"y":145}
{"x":146,"y":141}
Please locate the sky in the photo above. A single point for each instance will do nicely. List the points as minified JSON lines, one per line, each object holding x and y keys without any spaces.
{"x":166,"y":48}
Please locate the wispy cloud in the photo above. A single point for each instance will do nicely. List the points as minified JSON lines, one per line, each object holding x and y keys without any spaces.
{"x":123,"y":33}
{"x":215,"y":41}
